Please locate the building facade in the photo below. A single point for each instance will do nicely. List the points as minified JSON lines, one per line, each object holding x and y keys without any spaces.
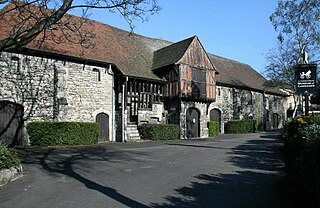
{"x":125,"y":80}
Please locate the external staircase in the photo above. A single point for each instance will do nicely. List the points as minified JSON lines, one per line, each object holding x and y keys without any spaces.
{"x":132,"y":132}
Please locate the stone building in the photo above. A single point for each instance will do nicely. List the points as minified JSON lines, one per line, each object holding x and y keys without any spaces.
{"x":122,"y":80}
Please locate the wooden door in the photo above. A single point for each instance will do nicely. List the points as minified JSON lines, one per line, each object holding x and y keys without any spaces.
{"x":11,"y":123}
{"x":215,"y":115}
{"x":192,"y":123}
{"x":103,"y":120}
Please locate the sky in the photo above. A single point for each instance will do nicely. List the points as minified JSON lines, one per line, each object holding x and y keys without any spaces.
{"x":235,"y":29}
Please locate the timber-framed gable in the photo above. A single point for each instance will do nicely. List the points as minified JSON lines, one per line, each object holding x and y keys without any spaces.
{"x":125,"y":80}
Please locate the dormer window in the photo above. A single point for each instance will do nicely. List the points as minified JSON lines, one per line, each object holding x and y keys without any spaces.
{"x":96,"y":77}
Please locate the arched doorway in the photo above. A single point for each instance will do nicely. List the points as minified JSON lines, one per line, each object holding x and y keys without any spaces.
{"x":11,"y":123}
{"x":103,"y":120}
{"x":215,"y":115}
{"x":192,"y":117}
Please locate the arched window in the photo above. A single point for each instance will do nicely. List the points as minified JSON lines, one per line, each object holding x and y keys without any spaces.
{"x":96,"y":75}
{"x":15,"y":64}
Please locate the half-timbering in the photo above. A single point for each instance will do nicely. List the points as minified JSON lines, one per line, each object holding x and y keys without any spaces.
{"x":124,"y":80}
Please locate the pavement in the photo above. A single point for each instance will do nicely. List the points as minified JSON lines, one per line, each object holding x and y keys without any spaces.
{"x":226,"y":171}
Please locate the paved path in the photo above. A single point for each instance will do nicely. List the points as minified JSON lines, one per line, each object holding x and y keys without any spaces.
{"x":228,"y":171}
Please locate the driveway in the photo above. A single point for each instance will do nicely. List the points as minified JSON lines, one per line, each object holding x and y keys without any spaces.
{"x":227,"y":171}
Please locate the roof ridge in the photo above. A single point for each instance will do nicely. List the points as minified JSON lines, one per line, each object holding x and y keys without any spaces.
{"x":171,"y":54}
{"x":176,"y":43}
{"x":228,"y":59}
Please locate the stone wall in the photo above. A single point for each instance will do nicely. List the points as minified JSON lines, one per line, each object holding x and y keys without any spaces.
{"x":82,"y":95}
{"x":154,"y":116}
{"x":68,"y":91}
{"x":57,"y":90}
{"x":275,"y":105}
{"x":29,"y":81}
{"x":223,"y":103}
{"x":203,"y":121}
{"x":236,"y":103}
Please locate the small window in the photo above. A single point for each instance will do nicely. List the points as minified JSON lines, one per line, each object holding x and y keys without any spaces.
{"x":219,"y":92}
{"x":15,"y":64}
{"x":96,"y":75}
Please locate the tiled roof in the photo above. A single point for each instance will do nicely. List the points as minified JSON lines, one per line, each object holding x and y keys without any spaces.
{"x":234,"y":73}
{"x":131,"y":53}
{"x":170,"y":54}
{"x":136,"y":55}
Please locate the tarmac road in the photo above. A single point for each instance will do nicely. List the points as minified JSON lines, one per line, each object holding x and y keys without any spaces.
{"x":227,"y":171}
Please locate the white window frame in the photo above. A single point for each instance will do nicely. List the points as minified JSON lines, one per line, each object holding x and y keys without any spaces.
{"x":96,"y":75}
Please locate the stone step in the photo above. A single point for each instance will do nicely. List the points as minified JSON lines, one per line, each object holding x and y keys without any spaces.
{"x":132,"y":132}
{"x":135,"y":138}
{"x":132,"y":128}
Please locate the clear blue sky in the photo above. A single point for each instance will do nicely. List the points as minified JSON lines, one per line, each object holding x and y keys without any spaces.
{"x":235,"y":29}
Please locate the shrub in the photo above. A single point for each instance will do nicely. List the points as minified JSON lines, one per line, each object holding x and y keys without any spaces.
{"x":46,"y":133}
{"x":213,"y":128}
{"x":302,"y":145}
{"x":260,"y":126}
{"x":159,"y":131}
{"x":8,"y":158}
{"x":240,"y":126}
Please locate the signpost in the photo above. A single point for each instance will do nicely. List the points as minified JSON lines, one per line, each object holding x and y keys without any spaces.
{"x":306,"y":79}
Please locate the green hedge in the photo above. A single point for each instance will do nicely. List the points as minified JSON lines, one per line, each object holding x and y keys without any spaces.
{"x":46,"y":133}
{"x":213,"y":128}
{"x":240,"y":126}
{"x":8,"y":158}
{"x":159,"y":131}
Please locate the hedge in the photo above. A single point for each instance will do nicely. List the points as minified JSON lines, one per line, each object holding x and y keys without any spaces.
{"x":302,"y":151}
{"x":8,"y":158}
{"x":240,"y":126}
{"x":46,"y":133}
{"x":213,"y":128}
{"x":159,"y":131}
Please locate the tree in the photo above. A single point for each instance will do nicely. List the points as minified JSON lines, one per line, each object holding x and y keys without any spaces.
{"x":29,"y":18}
{"x":298,"y":24}
{"x":31,"y":82}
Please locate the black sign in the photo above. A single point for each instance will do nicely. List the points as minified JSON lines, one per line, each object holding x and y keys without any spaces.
{"x":306,"y":78}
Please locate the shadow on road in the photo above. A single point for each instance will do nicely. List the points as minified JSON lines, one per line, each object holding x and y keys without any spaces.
{"x":62,"y":161}
{"x":257,"y":184}
{"x":257,"y":161}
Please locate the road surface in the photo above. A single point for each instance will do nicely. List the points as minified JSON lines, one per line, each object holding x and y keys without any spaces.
{"x":227,"y":171}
